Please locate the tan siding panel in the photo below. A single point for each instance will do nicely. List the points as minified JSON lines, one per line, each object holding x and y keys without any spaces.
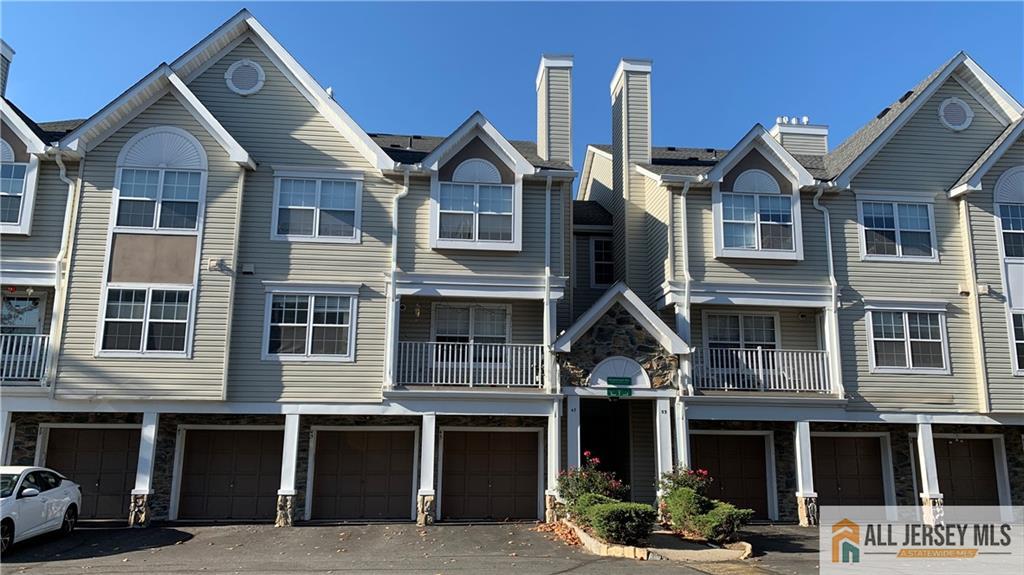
{"x":48,"y":218}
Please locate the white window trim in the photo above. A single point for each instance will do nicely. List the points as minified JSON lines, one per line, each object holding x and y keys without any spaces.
{"x":470,"y":306}
{"x":439,"y":243}
{"x":705,"y":333}
{"x":318,"y":174}
{"x":796,"y":254}
{"x":1014,"y":360}
{"x":593,"y":267}
{"x":1003,"y":260}
{"x":149,"y":288}
{"x":28,"y":200}
{"x":905,"y":308}
{"x":927,"y":200}
{"x":311,"y":290}
{"x":115,"y":207}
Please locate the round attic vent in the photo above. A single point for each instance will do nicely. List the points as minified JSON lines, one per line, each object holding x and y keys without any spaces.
{"x":955,"y":114}
{"x":245,"y":77}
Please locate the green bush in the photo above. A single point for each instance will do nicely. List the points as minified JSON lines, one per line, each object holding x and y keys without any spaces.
{"x":578,"y":510}
{"x":722,"y":522}
{"x":683,"y":504}
{"x":625,"y":523}
{"x":695,"y":479}
{"x":574,"y":483}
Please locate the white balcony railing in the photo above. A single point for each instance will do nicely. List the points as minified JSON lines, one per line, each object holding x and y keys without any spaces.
{"x":760,"y":369}
{"x":23,"y":357}
{"x":470,"y":364}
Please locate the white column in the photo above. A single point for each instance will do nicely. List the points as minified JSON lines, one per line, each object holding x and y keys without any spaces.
{"x":289,"y":454}
{"x":682,"y":436}
{"x":832,"y":347}
{"x":663,"y":434}
{"x":804,"y":470}
{"x":147,"y":454}
{"x":5,"y":428}
{"x":926,"y":462}
{"x":550,"y":366}
{"x":572,"y":424}
{"x":428,"y":438}
{"x":554,"y":446}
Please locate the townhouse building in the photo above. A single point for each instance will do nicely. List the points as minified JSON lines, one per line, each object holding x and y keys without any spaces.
{"x":225,"y":300}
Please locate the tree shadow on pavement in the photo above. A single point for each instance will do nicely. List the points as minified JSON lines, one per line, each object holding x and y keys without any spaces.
{"x":87,"y":542}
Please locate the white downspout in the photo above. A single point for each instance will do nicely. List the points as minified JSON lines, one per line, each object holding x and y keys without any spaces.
{"x":548,"y":323}
{"x":832,"y":338}
{"x":683,"y":320}
{"x":971,"y":271}
{"x":60,"y":285}
{"x":392,"y":298}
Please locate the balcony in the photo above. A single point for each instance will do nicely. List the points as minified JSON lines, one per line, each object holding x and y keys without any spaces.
{"x":23,"y":360}
{"x":761,"y":370}
{"x":470,"y":364}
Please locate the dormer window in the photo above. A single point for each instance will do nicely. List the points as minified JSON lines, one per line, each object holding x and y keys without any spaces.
{"x":756,"y":219}
{"x":477,"y":209}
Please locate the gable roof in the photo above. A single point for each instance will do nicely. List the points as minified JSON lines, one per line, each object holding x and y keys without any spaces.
{"x":971,"y":180}
{"x":136,"y":99}
{"x":24,"y":128}
{"x":621,"y":294}
{"x":475,"y":125}
{"x":412,"y":148}
{"x":856,"y":151}
{"x":758,"y":137}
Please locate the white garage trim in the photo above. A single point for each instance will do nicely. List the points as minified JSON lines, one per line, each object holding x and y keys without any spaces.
{"x":43,"y":434}
{"x":885,"y":444}
{"x":540,"y":460}
{"x":312,"y":458}
{"x":769,"y":461}
{"x":179,"y":455}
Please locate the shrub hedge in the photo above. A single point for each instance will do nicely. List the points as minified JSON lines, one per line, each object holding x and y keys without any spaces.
{"x":578,"y":509}
{"x":711,"y":519}
{"x":624,"y":523}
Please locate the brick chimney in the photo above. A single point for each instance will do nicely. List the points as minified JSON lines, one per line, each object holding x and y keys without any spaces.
{"x":800,"y":136}
{"x":554,"y":107}
{"x":6,"y":56}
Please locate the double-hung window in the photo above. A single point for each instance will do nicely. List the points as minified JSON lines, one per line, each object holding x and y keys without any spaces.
{"x":897,"y":230}
{"x":12,"y":191}
{"x":602,"y":262}
{"x":146,"y":320}
{"x":159,"y":199}
{"x":1011,"y":222}
{"x":317,"y":209}
{"x":908,"y":341}
{"x":755,"y":219}
{"x":310,"y":327}
{"x":1018,"y":342}
{"x":475,"y":209}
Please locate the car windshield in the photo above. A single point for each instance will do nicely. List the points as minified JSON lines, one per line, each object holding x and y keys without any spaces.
{"x":7,"y":481}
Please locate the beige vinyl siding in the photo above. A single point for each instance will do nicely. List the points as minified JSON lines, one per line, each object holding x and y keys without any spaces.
{"x":278,"y":126}
{"x":416,"y":256}
{"x":200,"y":377}
{"x":617,"y":205}
{"x":704,"y":267}
{"x":1006,"y":391}
{"x":563,"y":243}
{"x":923,"y":157}
{"x":657,"y":236}
{"x":638,"y":144}
{"x":527,"y":318}
{"x":793,"y":331}
{"x":583,"y":295}
{"x":804,"y":144}
{"x":643,"y":452}
{"x":557,"y":122}
{"x":47,"y":218}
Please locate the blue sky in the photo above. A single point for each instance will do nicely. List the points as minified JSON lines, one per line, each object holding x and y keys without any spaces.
{"x":422,"y":68}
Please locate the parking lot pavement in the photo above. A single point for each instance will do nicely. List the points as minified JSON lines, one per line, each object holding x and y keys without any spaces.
{"x":407,"y":549}
{"x":783,"y":549}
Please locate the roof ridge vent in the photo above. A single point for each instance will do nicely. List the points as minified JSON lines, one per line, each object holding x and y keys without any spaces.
{"x":882,"y":113}
{"x":904,"y":97}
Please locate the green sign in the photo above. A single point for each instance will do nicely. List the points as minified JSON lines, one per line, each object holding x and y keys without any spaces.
{"x":620,"y":392}
{"x":627,"y":381}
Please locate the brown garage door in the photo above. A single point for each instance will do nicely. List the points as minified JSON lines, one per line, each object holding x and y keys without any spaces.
{"x":363,"y":475}
{"x":102,"y":461}
{"x":737,"y":465}
{"x":967,"y":471}
{"x":489,"y":475}
{"x":230,"y":475}
{"x":848,"y":470}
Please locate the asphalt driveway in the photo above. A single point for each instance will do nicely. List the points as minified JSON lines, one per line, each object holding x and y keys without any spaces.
{"x":477,"y":549}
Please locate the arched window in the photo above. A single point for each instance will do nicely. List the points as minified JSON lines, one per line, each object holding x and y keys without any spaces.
{"x":756,"y":215}
{"x":1009,"y":197}
{"x":475,"y":205}
{"x":12,"y":185}
{"x":161,"y":180}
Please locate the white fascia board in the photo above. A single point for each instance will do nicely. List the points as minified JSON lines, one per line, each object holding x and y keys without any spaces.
{"x":552,"y":61}
{"x":187,"y":64}
{"x":843,"y":179}
{"x":740,"y":150}
{"x":25,"y":134}
{"x":806,"y":129}
{"x":629,"y":65}
{"x":322,"y":101}
{"x":669,"y":178}
{"x":28,"y":272}
{"x":519,"y":164}
{"x":619,"y":293}
{"x":202,"y":115}
{"x":973,"y":183}
{"x":588,"y":162}
{"x":1008,"y":103}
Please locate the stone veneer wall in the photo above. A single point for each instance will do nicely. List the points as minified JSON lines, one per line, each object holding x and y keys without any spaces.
{"x":618,"y":333}
{"x":26,"y":429}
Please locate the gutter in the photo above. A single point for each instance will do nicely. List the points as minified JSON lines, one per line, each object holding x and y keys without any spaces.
{"x":971,"y":271}
{"x":60,"y":285}
{"x":833,"y":327}
{"x":392,"y":294}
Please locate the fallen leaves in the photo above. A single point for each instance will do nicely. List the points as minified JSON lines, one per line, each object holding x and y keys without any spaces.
{"x":559,"y":531}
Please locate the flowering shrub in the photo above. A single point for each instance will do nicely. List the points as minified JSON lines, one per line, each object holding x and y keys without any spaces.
{"x":589,"y":479}
{"x":695,"y":479}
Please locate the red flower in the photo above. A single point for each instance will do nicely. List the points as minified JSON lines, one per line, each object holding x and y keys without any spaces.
{"x":586,"y":454}
{"x":595,"y":461}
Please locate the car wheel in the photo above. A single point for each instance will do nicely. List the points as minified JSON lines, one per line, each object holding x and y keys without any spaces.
{"x":6,"y":535}
{"x":70,"y":519}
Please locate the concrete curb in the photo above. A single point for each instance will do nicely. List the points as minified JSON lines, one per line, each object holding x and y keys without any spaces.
{"x":598,"y":547}
{"x":709,"y":555}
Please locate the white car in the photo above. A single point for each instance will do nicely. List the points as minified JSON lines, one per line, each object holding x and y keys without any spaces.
{"x":36,"y":500}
